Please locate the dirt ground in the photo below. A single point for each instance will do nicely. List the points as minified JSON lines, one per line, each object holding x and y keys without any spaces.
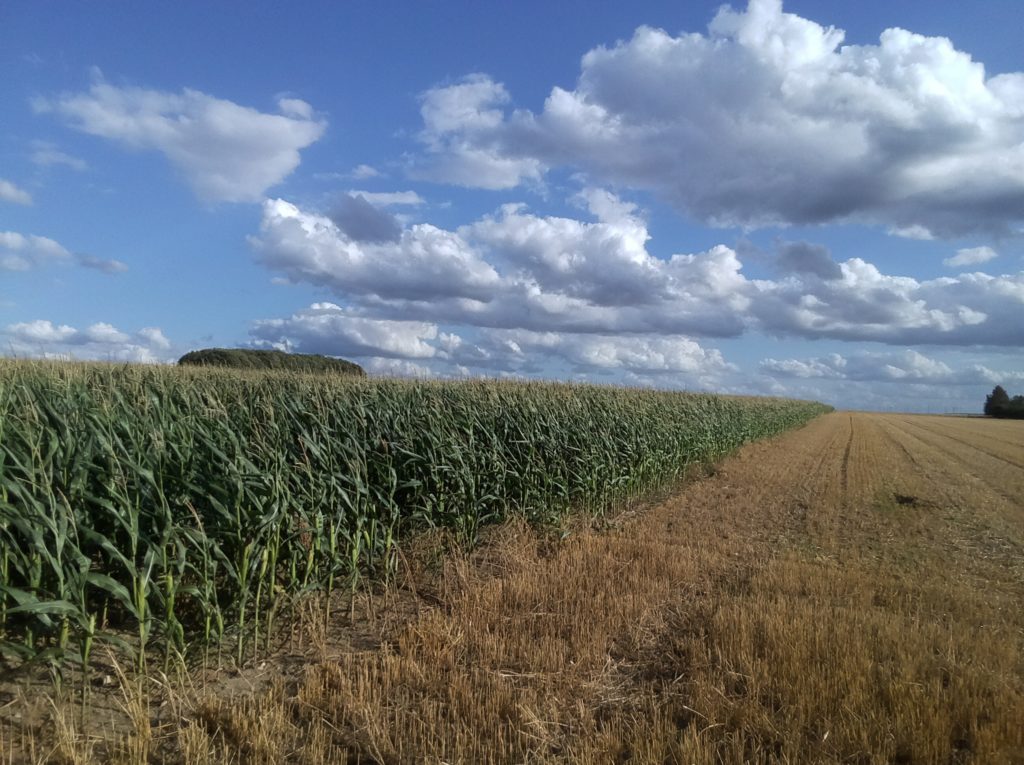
{"x":849,"y":592}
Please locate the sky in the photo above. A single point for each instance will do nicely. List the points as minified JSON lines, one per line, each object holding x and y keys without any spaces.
{"x":823,"y":200}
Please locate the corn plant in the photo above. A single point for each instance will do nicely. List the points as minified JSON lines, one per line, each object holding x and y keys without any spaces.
{"x":175,"y":506}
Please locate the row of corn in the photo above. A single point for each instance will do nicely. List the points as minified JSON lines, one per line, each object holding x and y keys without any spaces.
{"x":144,"y":507}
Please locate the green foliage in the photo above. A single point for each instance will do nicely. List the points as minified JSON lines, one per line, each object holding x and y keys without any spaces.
{"x":246,"y":358}
{"x":999,"y":404}
{"x":178,"y":505}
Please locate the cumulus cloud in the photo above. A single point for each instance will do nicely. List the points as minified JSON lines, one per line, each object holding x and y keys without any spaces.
{"x":422,"y":263}
{"x":101,"y":341}
{"x":227,"y":152}
{"x":971,"y":256}
{"x":329,"y":329}
{"x":462,"y":134}
{"x":21,"y":252}
{"x":25,"y":252}
{"x":902,"y":367}
{"x":766,"y":119}
{"x":41,"y":331}
{"x":632,"y":353}
{"x":517,"y":270}
{"x":11,"y":193}
{"x":389,"y":198}
{"x":866,"y":304}
{"x":419,"y":348}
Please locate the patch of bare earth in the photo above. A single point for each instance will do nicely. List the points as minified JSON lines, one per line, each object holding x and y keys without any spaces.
{"x":846,"y":593}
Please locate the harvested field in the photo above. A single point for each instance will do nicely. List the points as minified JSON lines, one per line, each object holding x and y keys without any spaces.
{"x":849,"y":592}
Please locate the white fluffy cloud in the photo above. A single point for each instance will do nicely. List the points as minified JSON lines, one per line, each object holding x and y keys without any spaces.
{"x":25,"y":252}
{"x":517,"y":270}
{"x":100,"y":342}
{"x":226,"y":151}
{"x":329,"y":329}
{"x":11,"y":193}
{"x":865,"y":304}
{"x":590,"y":352}
{"x":462,"y":126}
{"x":424,"y":263}
{"x":766,"y":119}
{"x":899,"y":367}
{"x":389,"y":198}
{"x":21,"y":252}
{"x":416,"y":348}
{"x":971,"y":256}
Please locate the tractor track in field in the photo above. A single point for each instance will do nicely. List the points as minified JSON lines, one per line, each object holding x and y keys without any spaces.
{"x":968,"y":444}
{"x":846,"y":460}
{"x":953,"y":456}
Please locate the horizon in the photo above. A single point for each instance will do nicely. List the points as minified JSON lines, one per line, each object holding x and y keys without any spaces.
{"x":806,"y":200}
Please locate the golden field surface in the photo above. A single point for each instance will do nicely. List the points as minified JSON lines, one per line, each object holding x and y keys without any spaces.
{"x":848,"y":592}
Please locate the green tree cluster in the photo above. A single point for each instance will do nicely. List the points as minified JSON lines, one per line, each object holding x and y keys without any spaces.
{"x":246,"y":358}
{"x":999,"y":404}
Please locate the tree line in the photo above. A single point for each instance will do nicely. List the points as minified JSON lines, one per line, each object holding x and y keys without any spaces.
{"x":248,"y":358}
{"x":999,"y":404}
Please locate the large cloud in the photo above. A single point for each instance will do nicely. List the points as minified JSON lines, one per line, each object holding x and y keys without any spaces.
{"x":897,"y":367}
{"x":517,"y":270}
{"x":100,"y":341}
{"x":633,"y":353}
{"x":227,"y":152}
{"x":417,"y":347}
{"x":766,"y":119}
{"x":865,"y":304}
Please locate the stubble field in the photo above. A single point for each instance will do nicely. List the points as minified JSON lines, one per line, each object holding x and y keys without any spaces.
{"x":847,"y":592}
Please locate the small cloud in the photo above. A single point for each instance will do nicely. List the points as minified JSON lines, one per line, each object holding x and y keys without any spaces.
{"x":153,"y":337}
{"x":360,"y":172}
{"x":46,"y":154}
{"x":295,"y":107}
{"x":102,"y":264}
{"x":387,"y":198}
{"x":913,"y":232}
{"x":970,"y":256}
{"x":11,"y":193}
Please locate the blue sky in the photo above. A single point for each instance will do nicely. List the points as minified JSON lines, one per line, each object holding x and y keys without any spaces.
{"x":822,"y":200}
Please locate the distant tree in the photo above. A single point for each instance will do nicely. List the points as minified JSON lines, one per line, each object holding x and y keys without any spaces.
{"x":996,"y":400}
{"x":246,"y":358}
{"x":999,"y":404}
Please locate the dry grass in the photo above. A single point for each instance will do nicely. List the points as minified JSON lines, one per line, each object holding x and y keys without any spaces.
{"x":848,"y":593}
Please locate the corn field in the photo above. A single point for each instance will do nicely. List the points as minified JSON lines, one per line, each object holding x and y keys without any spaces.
{"x":168,"y":509}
